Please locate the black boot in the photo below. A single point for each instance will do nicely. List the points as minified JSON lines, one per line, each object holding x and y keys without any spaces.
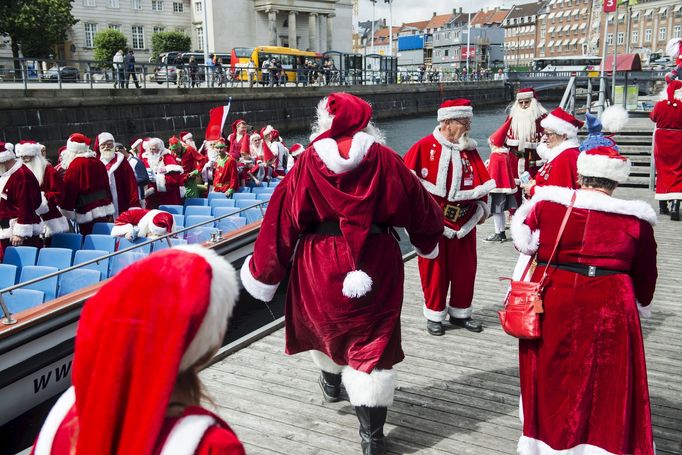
{"x":372,"y":429}
{"x":663,"y":208}
{"x":330,"y":384}
{"x":675,"y":210}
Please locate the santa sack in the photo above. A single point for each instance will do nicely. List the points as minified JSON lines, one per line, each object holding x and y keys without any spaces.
{"x":520,"y":315}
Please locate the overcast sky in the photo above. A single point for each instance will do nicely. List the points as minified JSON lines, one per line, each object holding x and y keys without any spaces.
{"x":415,"y":10}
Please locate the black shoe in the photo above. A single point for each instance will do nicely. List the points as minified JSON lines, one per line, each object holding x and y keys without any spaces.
{"x":663,"y":208}
{"x":467,"y":323}
{"x":675,"y":211}
{"x":372,"y":422}
{"x":435,"y":328}
{"x":330,"y":384}
{"x":497,"y":237}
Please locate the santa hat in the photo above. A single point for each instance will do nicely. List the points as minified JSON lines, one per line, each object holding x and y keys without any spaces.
{"x":525,"y":94}
{"x":173,"y":141}
{"x":350,"y":115}
{"x":497,"y":139}
{"x":220,"y":143}
{"x":454,"y":109}
{"x":673,"y":97}
{"x":255,"y":136}
{"x":136,"y":143}
{"x":156,"y":222}
{"x":133,"y":339}
{"x":78,"y":143}
{"x":296,"y":149}
{"x":674,"y":48}
{"x":614,"y":118}
{"x":235,"y":124}
{"x":267,"y":130}
{"x":186,"y":136}
{"x":6,"y":152}
{"x":103,"y":137}
{"x":604,"y":162}
{"x":562,"y":122}
{"x":27,"y":148}
{"x":274,"y":135}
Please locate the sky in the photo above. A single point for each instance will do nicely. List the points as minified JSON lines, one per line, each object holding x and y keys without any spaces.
{"x":414,"y":10}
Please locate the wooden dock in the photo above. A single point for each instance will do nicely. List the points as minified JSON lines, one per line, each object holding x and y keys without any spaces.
{"x":457,"y":394}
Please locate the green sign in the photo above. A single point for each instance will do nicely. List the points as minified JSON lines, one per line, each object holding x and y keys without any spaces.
{"x":632,"y":96}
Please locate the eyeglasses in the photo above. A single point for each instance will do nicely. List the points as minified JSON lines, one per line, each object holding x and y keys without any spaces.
{"x":464,"y":122}
{"x":524,"y":102}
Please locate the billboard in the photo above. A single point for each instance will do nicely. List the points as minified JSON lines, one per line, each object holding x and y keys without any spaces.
{"x":411,"y":42}
{"x":468,"y":53}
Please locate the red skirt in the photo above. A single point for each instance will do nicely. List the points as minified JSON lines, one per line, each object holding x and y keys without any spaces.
{"x":500,"y":170}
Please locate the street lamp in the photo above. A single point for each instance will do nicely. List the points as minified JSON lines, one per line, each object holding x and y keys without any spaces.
{"x":374,"y":2}
{"x":390,"y":26}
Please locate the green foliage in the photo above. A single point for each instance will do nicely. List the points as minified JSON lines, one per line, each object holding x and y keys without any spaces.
{"x":169,"y":41}
{"x":36,"y":25}
{"x":107,"y":43}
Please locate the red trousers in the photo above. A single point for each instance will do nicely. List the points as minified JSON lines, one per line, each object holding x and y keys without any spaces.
{"x":454,"y":269}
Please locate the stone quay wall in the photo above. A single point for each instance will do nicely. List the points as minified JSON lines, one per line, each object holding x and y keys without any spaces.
{"x":50,"y":116}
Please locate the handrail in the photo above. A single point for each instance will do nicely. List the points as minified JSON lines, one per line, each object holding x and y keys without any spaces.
{"x":568,"y":100}
{"x":8,"y":320}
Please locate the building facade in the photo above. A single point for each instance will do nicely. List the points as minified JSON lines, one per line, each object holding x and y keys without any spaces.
{"x":565,"y":28}
{"x":520,"y":35}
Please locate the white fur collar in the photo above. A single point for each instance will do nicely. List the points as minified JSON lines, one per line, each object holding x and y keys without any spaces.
{"x":328,"y":151}
{"x":118,"y":159}
{"x":463,"y":144}
{"x":4,"y":178}
{"x":548,"y":154}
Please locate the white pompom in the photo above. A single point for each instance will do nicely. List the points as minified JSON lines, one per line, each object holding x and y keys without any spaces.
{"x":614,"y":118}
{"x":356,"y":284}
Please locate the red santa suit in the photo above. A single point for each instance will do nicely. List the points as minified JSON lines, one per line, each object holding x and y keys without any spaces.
{"x":499,"y":164}
{"x":238,"y":144}
{"x":524,"y":148}
{"x":225,"y":175}
{"x":51,"y":188}
{"x":667,"y":115}
{"x":458,"y":181}
{"x":87,"y":196}
{"x":19,"y":200}
{"x":154,"y":332}
{"x":191,"y":159}
{"x":165,"y":174}
{"x":330,"y":220}
{"x":122,"y":183}
{"x":590,"y":321}
{"x":143,"y":223}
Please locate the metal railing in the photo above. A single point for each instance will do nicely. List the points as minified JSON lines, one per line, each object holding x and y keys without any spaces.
{"x":7,"y":315}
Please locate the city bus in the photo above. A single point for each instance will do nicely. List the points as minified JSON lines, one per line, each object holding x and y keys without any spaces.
{"x":239,"y":60}
{"x":292,"y":59}
{"x":567,"y":63}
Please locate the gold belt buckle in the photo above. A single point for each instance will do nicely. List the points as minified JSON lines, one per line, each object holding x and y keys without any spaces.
{"x":452,"y":212}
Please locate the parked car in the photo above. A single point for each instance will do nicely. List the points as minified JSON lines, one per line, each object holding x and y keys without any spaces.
{"x":67,"y":74}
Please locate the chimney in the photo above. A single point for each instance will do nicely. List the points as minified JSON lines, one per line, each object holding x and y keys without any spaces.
{"x":460,"y":10}
{"x":434,"y":14}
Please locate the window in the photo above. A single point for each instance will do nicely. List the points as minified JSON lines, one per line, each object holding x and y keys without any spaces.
{"x":90,"y":30}
{"x":159,"y":29}
{"x":661,"y":33}
{"x":114,"y":26}
{"x":113,"y":4}
{"x":197,"y":7}
{"x":89,"y":3}
{"x":621,"y":38}
{"x":157,"y":5}
{"x":138,"y":37}
{"x":178,"y":7}
{"x":200,"y":37}
{"x":180,"y":30}
{"x":136,"y":4}
{"x":635,"y":37}
{"x":609,"y":39}
{"x":677,"y":31}
{"x":664,"y":13}
{"x":647,"y":35}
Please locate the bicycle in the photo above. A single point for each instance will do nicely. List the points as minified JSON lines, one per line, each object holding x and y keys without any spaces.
{"x":182,"y":78}
{"x":220,"y":79}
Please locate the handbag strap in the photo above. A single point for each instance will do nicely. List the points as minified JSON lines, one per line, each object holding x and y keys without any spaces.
{"x":569,"y":209}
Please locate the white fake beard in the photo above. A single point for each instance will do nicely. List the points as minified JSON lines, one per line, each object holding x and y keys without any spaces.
{"x":67,"y":157}
{"x":107,"y":155}
{"x":3,"y":168}
{"x":37,"y":166}
{"x":523,"y":121}
{"x":256,"y":151}
{"x":154,"y":159}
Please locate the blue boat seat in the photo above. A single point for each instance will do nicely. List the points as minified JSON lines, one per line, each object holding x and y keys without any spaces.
{"x":124,"y":243}
{"x":197,"y":210}
{"x":216,"y":195}
{"x":101,"y":266}
{"x":231,"y":223}
{"x":196,"y":201}
{"x":99,"y":242}
{"x":222,"y":203}
{"x":102,"y":228}
{"x":21,"y":256}
{"x":163,"y":244}
{"x":22,"y":299}
{"x":47,"y":286}
{"x":123,"y":260}
{"x":252,"y":215}
{"x":55,"y":257}
{"x":8,"y":275}
{"x":240,"y":196}
{"x":245,"y":203}
{"x":78,"y":279}
{"x":70,"y":240}
{"x":221,"y":211}
{"x":173,"y":209}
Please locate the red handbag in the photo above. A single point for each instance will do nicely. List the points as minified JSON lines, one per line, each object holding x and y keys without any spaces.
{"x":520,"y":316}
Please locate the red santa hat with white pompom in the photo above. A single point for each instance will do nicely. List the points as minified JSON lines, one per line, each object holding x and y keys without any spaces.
{"x":497,"y":139}
{"x":78,"y":143}
{"x":455,"y":109}
{"x":604,"y":162}
{"x":27,"y":148}
{"x":147,"y":222}
{"x":562,"y":122}
{"x":296,"y":149}
{"x":525,"y":94}
{"x":6,"y":152}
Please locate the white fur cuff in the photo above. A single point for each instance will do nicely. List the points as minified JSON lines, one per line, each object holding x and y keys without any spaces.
{"x":436,"y":316}
{"x":644,"y":311}
{"x":122,"y":230}
{"x":525,"y":241}
{"x":560,"y":126}
{"x":432,"y":255}
{"x":261,"y":291}
{"x":27,"y":230}
{"x":447,"y":113}
{"x":44,"y":206}
{"x":160,"y":181}
{"x":324,"y":363}
{"x":56,"y":226}
{"x":372,"y":390}
{"x":460,"y":313}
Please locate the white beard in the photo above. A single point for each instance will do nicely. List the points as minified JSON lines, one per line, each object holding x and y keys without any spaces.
{"x":154,"y":160}
{"x":523,"y":122}
{"x":37,"y":165}
{"x":543,"y":150}
{"x":256,"y":152}
{"x":107,"y":155}
{"x":67,"y":157}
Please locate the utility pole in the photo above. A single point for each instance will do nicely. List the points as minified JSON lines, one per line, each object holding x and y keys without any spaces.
{"x":374,"y":2}
{"x":602,"y":80}
{"x":628,"y":15}
{"x":468,"y":41}
{"x":205,"y":43}
{"x":615,"y":55}
{"x":390,"y":26}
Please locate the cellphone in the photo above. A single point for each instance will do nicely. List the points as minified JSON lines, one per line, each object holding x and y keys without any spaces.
{"x":524,"y":177}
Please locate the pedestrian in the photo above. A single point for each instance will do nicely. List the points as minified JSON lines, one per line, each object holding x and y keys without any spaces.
{"x":140,"y":344}
{"x":667,"y":115}
{"x":265,"y":69}
{"x":450,"y":168}
{"x":251,"y":72}
{"x":129,"y":65}
{"x":584,"y":381}
{"x":180,"y":75}
{"x":193,"y":71}
{"x":330,"y":223}
{"x":118,"y":69}
{"x":19,"y":223}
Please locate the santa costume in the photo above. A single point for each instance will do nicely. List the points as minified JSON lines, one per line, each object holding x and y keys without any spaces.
{"x":279,"y":150}
{"x":165,"y":174}
{"x":239,"y":143}
{"x":143,"y":223}
{"x":674,"y":50}
{"x":193,"y":184}
{"x":584,"y":382}
{"x":261,"y":155}
{"x":51,"y":187}
{"x":560,"y":161}
{"x":525,"y":133}
{"x":122,"y":181}
{"x":225,"y":177}
{"x":330,"y":221}
{"x":19,"y":199}
{"x":136,"y":338}
{"x":87,"y":195}
{"x":667,"y":115}
{"x":192,"y":159}
{"x":294,"y":152}
{"x":458,"y":181}
{"x":500,"y":169}
{"x":613,"y":120}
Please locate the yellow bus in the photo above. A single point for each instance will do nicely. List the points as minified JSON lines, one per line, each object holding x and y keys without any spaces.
{"x":291,"y":60}
{"x":239,"y":60}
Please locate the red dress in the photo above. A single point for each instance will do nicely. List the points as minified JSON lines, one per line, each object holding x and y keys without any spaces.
{"x":584,"y":383}
{"x":375,"y":188}
{"x":667,"y":154}
{"x":500,"y":169}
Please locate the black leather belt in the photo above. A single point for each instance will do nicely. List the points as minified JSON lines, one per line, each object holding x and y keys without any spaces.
{"x":333,"y":228}
{"x":455,"y":211}
{"x":586,"y":270}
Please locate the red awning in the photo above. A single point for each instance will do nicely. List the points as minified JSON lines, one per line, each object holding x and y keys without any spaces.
{"x":624,"y":62}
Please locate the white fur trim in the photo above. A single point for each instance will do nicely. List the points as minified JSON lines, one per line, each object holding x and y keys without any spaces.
{"x":160,"y":180}
{"x":6,"y":156}
{"x":44,"y":206}
{"x":104,"y":137}
{"x":174,"y":168}
{"x":432,"y":255}
{"x":54,"y":420}
{"x":454,"y":112}
{"x":324,"y":363}
{"x":27,"y":150}
{"x":97,"y":212}
{"x":460,"y":313}
{"x":560,"y":126}
{"x":78,"y":148}
{"x":372,"y":390}
{"x":69,"y":214}
{"x":112,"y":178}
{"x":437,"y":316}
{"x":644,"y":311}
{"x":549,"y":154}
{"x":614,"y":118}
{"x":224,"y":294}
{"x":356,"y":284}
{"x":668,"y":196}
{"x":146,"y":224}
{"x":186,"y":435}
{"x":530,"y":446}
{"x":672,"y":49}
{"x":525,"y":241}
{"x":591,"y":165}
{"x":524,"y":95}
{"x":328,"y":151}
{"x":27,"y":230}
{"x":257,"y":289}
{"x":486,"y":210}
{"x":268,"y":129}
{"x":135,"y":144}
{"x":56,"y":226}
{"x":122,"y":230}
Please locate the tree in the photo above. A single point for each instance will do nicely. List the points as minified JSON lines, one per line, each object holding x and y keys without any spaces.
{"x":169,"y":41}
{"x":107,"y":43}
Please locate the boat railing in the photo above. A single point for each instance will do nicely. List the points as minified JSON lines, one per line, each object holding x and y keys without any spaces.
{"x":216,"y":237}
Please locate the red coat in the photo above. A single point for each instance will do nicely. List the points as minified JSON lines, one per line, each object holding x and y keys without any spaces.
{"x":225,"y":175}
{"x":19,"y":199}
{"x":87,"y":195}
{"x":237,"y":147}
{"x":192,"y":160}
{"x":166,"y":186}
{"x":667,"y":154}
{"x":591,"y":348}
{"x":52,"y":188}
{"x":372,"y":187}
{"x":123,"y":184}
{"x":501,"y":171}
{"x":561,"y":166}
{"x":456,"y":178}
